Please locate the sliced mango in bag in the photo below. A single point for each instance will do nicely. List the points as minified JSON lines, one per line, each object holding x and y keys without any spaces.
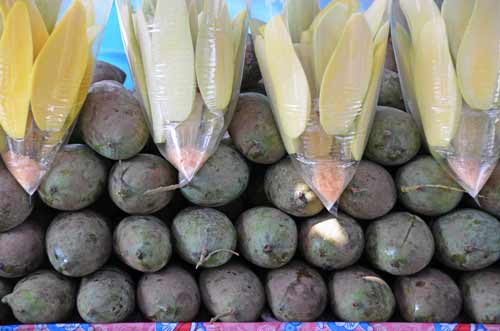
{"x":173,"y":78}
{"x":418,"y":13}
{"x":215,"y":55}
{"x":124,"y":11}
{"x":293,"y":97}
{"x":59,"y":69}
{"x":403,"y":47}
{"x":305,"y":55}
{"x":5,"y":7}
{"x":240,"y":32}
{"x":363,"y":123}
{"x":291,"y":144}
{"x":326,"y":34}
{"x":436,"y":86}
{"x":346,"y":78}
{"x":38,"y":30}
{"x":239,"y":27}
{"x":353,"y":5}
{"x":478,"y":61}
{"x":194,"y":7}
{"x":49,"y":9}
{"x":298,"y":16}
{"x":456,"y":15}
{"x":375,"y":14}
{"x":15,"y":71}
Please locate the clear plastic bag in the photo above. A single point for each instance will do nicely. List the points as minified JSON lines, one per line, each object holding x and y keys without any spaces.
{"x":449,"y":63}
{"x":322,"y":69}
{"x":47,"y":56}
{"x":187,"y":59}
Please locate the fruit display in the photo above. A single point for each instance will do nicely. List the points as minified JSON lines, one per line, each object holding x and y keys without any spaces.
{"x":119,"y":233}
{"x":322,"y":69}
{"x":449,"y":74}
{"x":48,"y":54}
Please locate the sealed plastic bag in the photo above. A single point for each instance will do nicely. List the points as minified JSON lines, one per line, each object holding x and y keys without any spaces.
{"x":322,"y":70}
{"x":449,"y":64}
{"x":187,"y":60}
{"x":47,"y":58}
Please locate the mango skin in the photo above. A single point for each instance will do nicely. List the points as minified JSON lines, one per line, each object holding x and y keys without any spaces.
{"x":15,"y":204}
{"x":395,"y":138}
{"x":267,"y":237}
{"x":31,"y":303}
{"x":78,"y":243}
{"x":170,"y":295}
{"x":489,"y":197}
{"x":467,"y":239}
{"x":222,"y":179}
{"x":143,"y":243}
{"x":429,"y":296}
{"x":112,"y":121}
{"x":286,"y":190}
{"x":399,"y":243}
{"x":481,"y":291}
{"x":76,"y":180}
{"x":107,"y":296}
{"x":426,"y":189}
{"x":107,"y":71}
{"x":232,"y":287}
{"x":370,"y":194}
{"x":254,"y":130}
{"x":321,"y":251}
{"x":130,"y":180}
{"x":200,"y":231}
{"x":390,"y":92}
{"x":22,"y":250}
{"x":359,"y":294}
{"x":296,"y":292}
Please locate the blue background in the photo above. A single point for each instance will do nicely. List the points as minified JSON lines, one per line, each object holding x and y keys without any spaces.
{"x":112,"y":47}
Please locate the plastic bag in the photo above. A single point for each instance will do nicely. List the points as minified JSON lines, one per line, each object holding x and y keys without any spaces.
{"x":449,"y":64}
{"x":322,"y":71}
{"x":187,"y":60}
{"x":47,"y":56}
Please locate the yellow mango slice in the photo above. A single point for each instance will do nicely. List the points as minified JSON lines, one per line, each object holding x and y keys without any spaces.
{"x":126,"y":20}
{"x":298,"y":15}
{"x":367,"y":115}
{"x":59,"y":69}
{"x":38,"y":30}
{"x":404,"y":50}
{"x":49,"y":9}
{"x":215,"y":55}
{"x":456,"y":15}
{"x":346,"y":78}
{"x":353,"y":5}
{"x":293,"y":97}
{"x":478,"y":60}
{"x":239,"y":33}
{"x":5,"y":6}
{"x":327,"y":31}
{"x":418,"y":13}
{"x":436,"y":86}
{"x":194,"y":7}
{"x":291,"y":144}
{"x":305,"y":55}
{"x":173,"y":81}
{"x":375,"y":14}
{"x":15,"y":71}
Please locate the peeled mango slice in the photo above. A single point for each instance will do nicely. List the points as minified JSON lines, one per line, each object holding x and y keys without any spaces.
{"x":456,"y":15}
{"x":194,"y":7}
{"x":375,"y":14}
{"x":368,"y":113}
{"x":478,"y":61}
{"x":173,"y":78}
{"x":291,"y":144}
{"x":215,"y":55}
{"x":353,"y":5}
{"x":5,"y":6}
{"x":38,"y":30}
{"x":239,"y":32}
{"x":436,"y":85}
{"x":418,"y":13}
{"x":298,"y":15}
{"x":305,"y":55}
{"x":59,"y":69}
{"x":347,"y":77}
{"x":327,"y":31}
{"x":15,"y":71}
{"x":134,"y":54}
{"x":49,"y":9}
{"x":293,"y":97}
